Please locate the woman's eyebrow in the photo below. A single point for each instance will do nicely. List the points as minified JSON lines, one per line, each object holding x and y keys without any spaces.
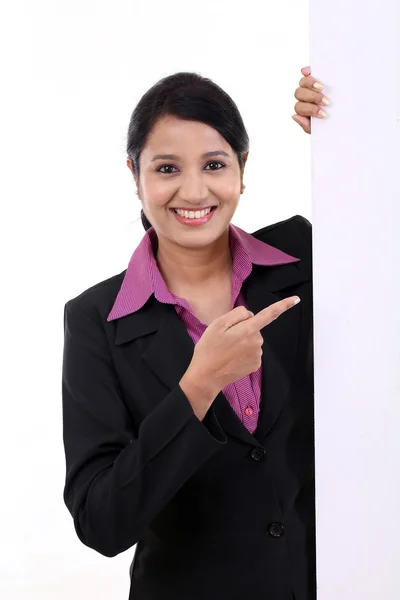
{"x":176,"y":157}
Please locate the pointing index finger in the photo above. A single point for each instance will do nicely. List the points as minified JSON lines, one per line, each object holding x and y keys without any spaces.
{"x":270,"y":313}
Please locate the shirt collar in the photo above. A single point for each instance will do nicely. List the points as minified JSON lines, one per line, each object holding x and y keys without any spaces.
{"x":143,"y":278}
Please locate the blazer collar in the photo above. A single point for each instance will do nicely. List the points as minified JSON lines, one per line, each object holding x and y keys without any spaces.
{"x":139,"y":282}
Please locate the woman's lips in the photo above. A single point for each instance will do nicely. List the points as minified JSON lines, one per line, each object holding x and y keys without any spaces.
{"x":194,"y":222}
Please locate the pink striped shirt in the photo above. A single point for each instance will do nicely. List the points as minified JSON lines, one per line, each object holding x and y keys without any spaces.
{"x":143,"y":278}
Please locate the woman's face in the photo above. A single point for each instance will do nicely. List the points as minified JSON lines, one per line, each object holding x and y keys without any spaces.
{"x":189,"y":181}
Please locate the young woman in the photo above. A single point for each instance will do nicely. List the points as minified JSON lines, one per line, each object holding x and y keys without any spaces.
{"x":188,"y":378}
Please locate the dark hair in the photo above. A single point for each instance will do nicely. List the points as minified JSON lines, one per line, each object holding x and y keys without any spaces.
{"x":194,"y":98}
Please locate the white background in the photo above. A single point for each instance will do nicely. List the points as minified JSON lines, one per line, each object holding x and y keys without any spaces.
{"x":72,"y":73}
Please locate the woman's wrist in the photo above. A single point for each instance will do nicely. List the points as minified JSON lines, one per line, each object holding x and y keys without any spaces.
{"x":199,"y":390}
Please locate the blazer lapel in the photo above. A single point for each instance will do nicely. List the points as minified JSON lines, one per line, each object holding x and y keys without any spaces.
{"x":264,"y":287}
{"x":170,"y":348}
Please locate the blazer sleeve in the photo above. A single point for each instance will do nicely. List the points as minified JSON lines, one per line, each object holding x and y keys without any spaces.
{"x":117,"y":480}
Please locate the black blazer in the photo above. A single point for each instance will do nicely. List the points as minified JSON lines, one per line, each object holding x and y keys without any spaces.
{"x":215,"y":511}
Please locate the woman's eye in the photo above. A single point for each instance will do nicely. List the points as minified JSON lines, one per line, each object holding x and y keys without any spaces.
{"x":163,"y":167}
{"x":214,"y":162}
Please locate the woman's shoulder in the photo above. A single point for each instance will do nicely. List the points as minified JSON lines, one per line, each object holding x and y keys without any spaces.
{"x":98,"y":299}
{"x":296,"y":225}
{"x":293,"y":236}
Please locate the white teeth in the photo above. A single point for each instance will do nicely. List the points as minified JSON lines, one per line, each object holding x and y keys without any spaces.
{"x":191,"y":214}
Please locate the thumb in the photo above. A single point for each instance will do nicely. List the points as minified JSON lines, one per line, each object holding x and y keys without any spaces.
{"x":304,"y":122}
{"x":297,"y":119}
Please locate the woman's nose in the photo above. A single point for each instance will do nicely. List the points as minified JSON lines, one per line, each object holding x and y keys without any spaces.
{"x":193,"y":188}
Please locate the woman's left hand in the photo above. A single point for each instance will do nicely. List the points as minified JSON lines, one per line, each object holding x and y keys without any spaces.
{"x":311,"y":100}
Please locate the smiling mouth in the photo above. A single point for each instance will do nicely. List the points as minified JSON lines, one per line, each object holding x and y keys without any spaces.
{"x":194,"y":217}
{"x":175,"y":208}
{"x":204,"y":211}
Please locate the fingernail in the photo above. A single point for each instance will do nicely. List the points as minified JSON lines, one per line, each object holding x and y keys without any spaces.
{"x":321,"y":114}
{"x":325,"y":101}
{"x":318,"y":86}
{"x":296,"y":301}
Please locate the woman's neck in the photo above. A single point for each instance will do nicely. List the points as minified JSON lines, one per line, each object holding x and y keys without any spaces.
{"x":191,"y":268}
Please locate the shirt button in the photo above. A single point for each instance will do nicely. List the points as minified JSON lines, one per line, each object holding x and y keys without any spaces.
{"x":276,"y":530}
{"x":249,"y":411}
{"x":258,"y":453}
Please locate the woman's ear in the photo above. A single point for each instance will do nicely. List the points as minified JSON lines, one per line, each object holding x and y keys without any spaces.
{"x":130,"y":166}
{"x":244,"y":163}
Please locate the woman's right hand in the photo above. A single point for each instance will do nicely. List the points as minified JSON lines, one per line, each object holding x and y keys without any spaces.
{"x":310,"y":100}
{"x":231,"y":346}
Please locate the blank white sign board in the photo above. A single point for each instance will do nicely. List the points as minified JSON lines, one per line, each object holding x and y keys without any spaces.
{"x":355,"y":51}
